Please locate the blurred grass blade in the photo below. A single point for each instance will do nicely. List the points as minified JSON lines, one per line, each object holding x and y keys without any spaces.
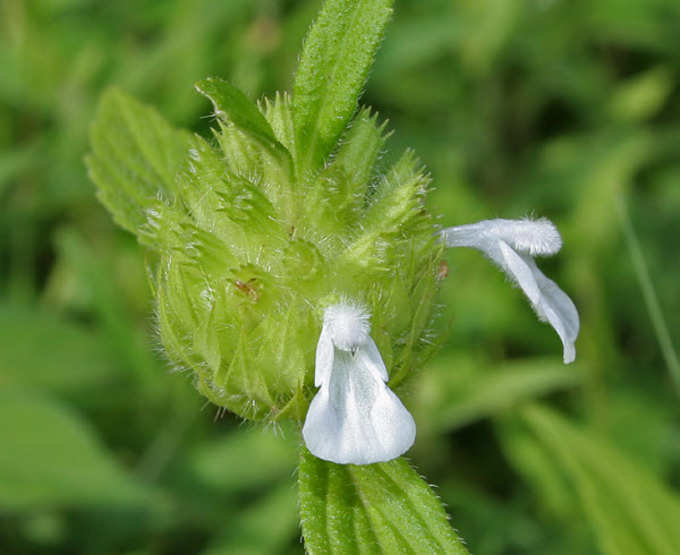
{"x":663,"y":336}
{"x":337,"y":54}
{"x":135,"y":157}
{"x":50,"y":457}
{"x":266,"y":526}
{"x":642,"y":96}
{"x":92,"y":276}
{"x":384,"y":507}
{"x":630,"y":511}
{"x":17,"y":160}
{"x":269,"y":458}
{"x":456,"y":392}
{"x":70,"y":358}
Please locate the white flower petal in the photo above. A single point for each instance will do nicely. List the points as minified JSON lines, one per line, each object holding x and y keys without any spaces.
{"x":354,"y":418}
{"x":533,"y":237}
{"x":557,"y":308}
{"x":369,"y":357}
{"x":512,"y":244}
{"x":520,"y":272}
{"x":551,"y":304}
{"x":324,"y":358}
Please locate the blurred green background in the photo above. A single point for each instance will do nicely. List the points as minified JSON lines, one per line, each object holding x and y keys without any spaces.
{"x":569,"y":110}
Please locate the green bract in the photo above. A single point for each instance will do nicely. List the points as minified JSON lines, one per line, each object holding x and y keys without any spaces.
{"x":282,"y":212}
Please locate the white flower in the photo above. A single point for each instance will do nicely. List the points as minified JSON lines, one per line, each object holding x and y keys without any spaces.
{"x":354,"y":418}
{"x":512,"y":244}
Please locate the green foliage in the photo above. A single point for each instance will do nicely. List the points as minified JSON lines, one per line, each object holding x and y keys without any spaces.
{"x":551,"y":108}
{"x":458,"y":398}
{"x":274,"y":459}
{"x":136,"y":155}
{"x":275,"y":513}
{"x":630,"y":510}
{"x":70,"y":358}
{"x":377,"y":508}
{"x":51,"y":458}
{"x":233,"y":107}
{"x":337,"y":55}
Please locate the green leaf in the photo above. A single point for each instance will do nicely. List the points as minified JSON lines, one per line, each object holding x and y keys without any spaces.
{"x":135,"y":157}
{"x":337,"y":55}
{"x":378,"y":508}
{"x":232,"y":106}
{"x":630,"y":510}
{"x":50,"y":457}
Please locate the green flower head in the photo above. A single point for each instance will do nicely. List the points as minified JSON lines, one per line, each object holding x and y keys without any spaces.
{"x":288,"y":256}
{"x":253,"y":244}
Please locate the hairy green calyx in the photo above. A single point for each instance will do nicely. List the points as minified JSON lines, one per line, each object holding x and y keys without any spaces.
{"x":251,"y":250}
{"x":279,"y":214}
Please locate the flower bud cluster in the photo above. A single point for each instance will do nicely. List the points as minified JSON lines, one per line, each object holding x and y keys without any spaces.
{"x":253,"y":249}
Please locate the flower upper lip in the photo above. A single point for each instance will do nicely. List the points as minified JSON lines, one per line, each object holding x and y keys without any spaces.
{"x":513,"y":244}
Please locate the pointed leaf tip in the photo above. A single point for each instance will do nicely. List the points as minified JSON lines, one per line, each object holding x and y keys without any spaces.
{"x":337,"y":54}
{"x":232,"y":105}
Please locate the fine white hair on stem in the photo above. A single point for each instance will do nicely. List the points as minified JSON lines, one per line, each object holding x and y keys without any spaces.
{"x":512,"y":244}
{"x":355,"y":418}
